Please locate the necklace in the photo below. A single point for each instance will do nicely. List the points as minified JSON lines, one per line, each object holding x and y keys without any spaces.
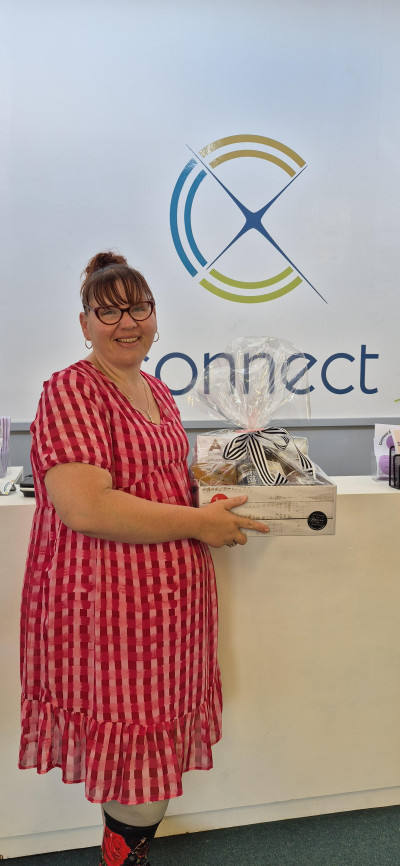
{"x":131,"y":400}
{"x":136,"y":405}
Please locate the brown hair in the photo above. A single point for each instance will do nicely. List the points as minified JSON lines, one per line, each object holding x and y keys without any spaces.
{"x":108,"y":279}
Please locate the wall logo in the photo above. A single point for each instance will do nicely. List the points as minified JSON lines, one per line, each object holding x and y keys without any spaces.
{"x":205,"y":166}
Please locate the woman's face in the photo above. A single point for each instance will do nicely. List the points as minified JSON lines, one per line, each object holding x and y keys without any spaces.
{"x":123,"y":345}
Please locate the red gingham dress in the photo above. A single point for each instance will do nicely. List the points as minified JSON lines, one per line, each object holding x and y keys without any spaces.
{"x":120,"y":679}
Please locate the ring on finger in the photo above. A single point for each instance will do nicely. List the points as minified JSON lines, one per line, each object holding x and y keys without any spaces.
{"x":232,"y":544}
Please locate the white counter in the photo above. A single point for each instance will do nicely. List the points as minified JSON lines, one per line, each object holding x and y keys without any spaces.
{"x":310,"y":659}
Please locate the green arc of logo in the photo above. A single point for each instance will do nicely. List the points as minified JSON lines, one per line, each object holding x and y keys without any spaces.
{"x":250,"y":299}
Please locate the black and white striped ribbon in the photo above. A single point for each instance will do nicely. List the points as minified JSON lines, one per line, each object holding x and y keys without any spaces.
{"x":258,"y":445}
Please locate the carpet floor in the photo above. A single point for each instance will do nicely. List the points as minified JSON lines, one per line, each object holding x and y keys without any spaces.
{"x":369,"y":837}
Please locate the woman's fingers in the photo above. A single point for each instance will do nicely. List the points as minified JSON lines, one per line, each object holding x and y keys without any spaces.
{"x":240,"y":538}
{"x":233,"y":502}
{"x":222,"y":526}
{"x":243,"y":522}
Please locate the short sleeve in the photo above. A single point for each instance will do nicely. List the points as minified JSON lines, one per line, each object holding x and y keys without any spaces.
{"x":72,"y":423}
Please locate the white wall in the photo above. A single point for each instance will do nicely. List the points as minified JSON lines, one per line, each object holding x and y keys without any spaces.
{"x":101,"y":99}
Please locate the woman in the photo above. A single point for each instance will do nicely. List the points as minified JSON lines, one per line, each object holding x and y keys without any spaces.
{"x":120,"y":679}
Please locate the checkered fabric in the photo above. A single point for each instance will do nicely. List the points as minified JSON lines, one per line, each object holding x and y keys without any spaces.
{"x":120,"y":679}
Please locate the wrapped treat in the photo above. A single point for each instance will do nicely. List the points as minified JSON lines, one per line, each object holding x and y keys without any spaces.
{"x":215,"y":473}
{"x":211,"y":449}
{"x":252,"y":383}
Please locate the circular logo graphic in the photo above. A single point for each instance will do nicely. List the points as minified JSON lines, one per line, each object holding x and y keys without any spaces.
{"x":317,"y":520}
{"x":204,"y":168}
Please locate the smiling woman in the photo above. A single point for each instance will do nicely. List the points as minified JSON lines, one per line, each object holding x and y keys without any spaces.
{"x":120,"y":321}
{"x":120,"y":678}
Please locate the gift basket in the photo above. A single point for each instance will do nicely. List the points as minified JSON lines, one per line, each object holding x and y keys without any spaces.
{"x":250,"y":385}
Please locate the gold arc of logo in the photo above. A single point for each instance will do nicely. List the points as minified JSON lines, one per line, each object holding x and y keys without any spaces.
{"x":257,"y":139}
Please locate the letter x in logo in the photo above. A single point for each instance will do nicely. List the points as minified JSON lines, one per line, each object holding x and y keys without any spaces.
{"x":182,"y":200}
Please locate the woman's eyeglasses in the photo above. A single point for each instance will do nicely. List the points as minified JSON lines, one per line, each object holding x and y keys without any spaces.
{"x":112,"y":315}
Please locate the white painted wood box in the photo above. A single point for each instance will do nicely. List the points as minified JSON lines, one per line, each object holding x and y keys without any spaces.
{"x":287,"y":510}
{"x":290,"y":509}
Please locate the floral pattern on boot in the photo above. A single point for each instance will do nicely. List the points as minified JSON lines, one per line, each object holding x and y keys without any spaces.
{"x":115,"y":851}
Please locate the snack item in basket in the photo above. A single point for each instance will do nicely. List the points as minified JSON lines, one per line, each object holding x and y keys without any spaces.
{"x":218,"y":472}
{"x":247,"y":472}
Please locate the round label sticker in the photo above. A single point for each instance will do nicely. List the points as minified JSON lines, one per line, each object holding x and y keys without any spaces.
{"x":317,"y":520}
{"x":219,"y":496}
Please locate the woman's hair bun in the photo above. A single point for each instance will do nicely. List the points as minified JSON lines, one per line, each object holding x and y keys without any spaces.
{"x":102,"y":260}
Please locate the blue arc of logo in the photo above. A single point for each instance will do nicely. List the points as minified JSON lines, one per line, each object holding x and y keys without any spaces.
{"x":173,"y":216}
{"x":188,"y":217}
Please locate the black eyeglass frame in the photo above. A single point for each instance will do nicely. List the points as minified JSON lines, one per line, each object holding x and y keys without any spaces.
{"x":122,"y":310}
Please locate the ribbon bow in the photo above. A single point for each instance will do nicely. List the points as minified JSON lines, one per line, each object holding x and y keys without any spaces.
{"x":258,"y":444}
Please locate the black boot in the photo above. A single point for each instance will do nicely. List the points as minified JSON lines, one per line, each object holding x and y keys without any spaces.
{"x":124,"y":845}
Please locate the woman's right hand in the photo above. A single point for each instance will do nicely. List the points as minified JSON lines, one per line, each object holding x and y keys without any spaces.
{"x":85,"y":500}
{"x":219,"y":525}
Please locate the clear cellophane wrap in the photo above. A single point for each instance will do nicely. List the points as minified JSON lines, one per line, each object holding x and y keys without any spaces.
{"x":254,"y":381}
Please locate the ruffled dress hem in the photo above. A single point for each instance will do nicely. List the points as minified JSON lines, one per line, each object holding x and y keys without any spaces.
{"x":120,"y":761}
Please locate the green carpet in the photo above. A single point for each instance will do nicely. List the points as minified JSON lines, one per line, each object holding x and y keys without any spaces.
{"x":370,"y":837}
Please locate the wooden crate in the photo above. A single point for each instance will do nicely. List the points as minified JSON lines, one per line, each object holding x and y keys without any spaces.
{"x":287,"y":510}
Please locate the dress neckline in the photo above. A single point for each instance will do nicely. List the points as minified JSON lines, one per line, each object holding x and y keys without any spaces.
{"x":124,"y":397}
